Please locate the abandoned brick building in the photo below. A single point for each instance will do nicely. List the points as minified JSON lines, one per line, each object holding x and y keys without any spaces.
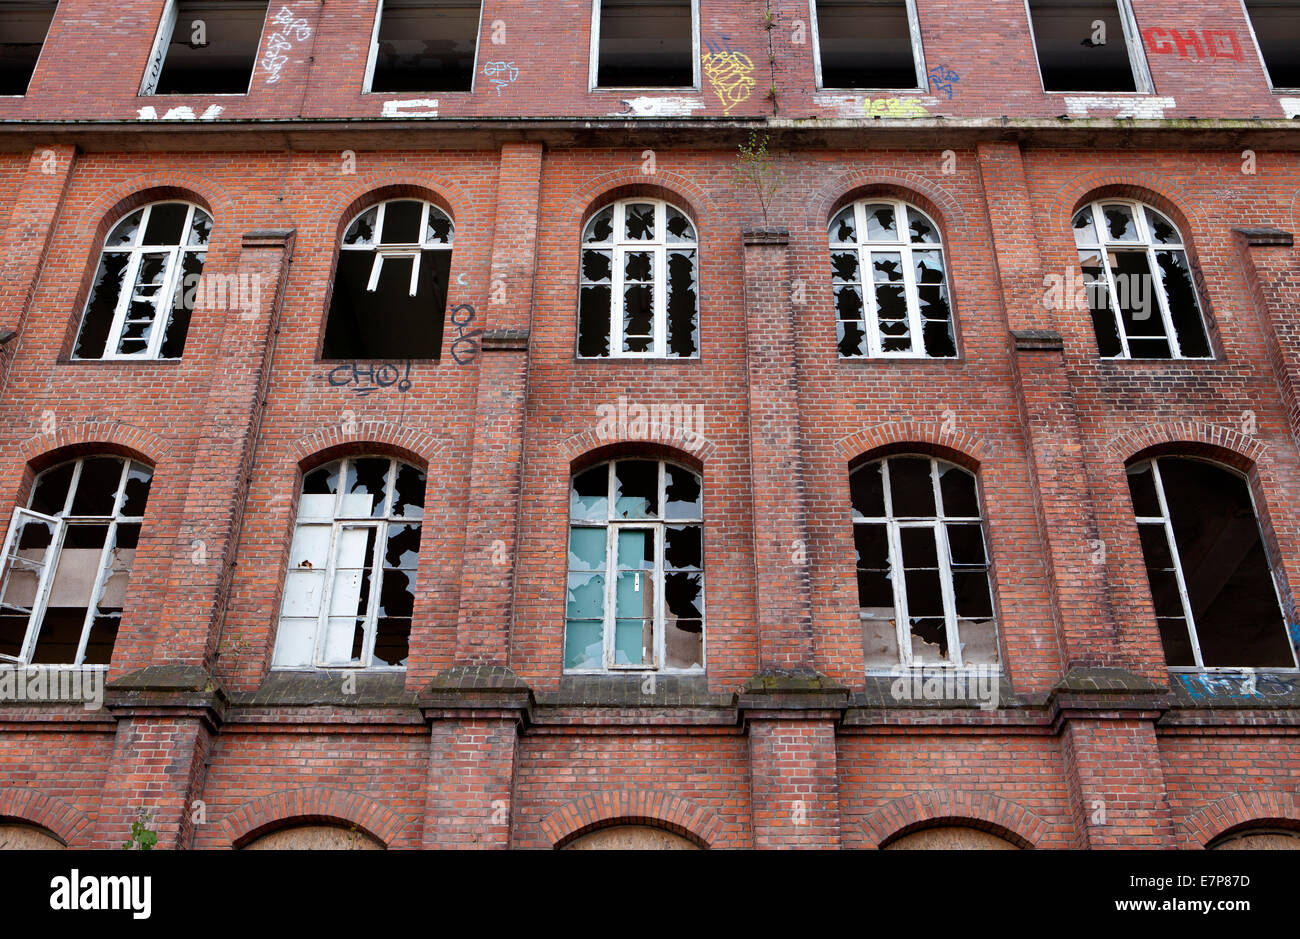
{"x":682,"y":423}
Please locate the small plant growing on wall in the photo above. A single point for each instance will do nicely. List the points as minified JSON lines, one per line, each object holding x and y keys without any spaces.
{"x":142,"y":837}
{"x":755,"y":169}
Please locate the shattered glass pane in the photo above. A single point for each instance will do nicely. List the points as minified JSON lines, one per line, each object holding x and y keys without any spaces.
{"x":97,"y":488}
{"x":392,"y":641}
{"x":362,"y":231}
{"x":871,"y":543}
{"x":366,"y":490}
{"x":124,"y":232}
{"x":586,"y":596}
{"x":843,"y":229}
{"x":589,"y":496}
{"x":966,"y":544}
{"x":957,"y":489}
{"x":178,"y":324}
{"x":867,"y":490}
{"x":891,"y":312}
{"x":683,"y":492}
{"x":165,"y":224}
{"x":851,"y":338}
{"x":682,"y":548}
{"x":684,"y":595}
{"x":929,"y":267}
{"x":397,"y":593}
{"x":886,"y":267}
{"x":586,"y":549}
{"x":636,"y":489}
{"x":600,"y":230}
{"x":50,"y":494}
{"x":101,"y":306}
{"x":929,"y":641}
{"x":971,"y":594}
{"x":408,"y":499}
{"x":402,"y":552}
{"x":881,"y":223}
{"x":910,"y":488}
{"x":682,"y":322}
{"x":200,"y":229}
{"x":639,"y":221}
{"x":1120,"y":224}
{"x":1085,"y":228}
{"x":583,"y":644}
{"x":136,"y":493}
{"x":401,"y":222}
{"x":438,"y":231}
{"x":923,"y":230}
{"x":1184,"y":311}
{"x":594,"y":322}
{"x":1162,"y":230}
{"x":844,"y":267}
{"x":679,"y":226}
{"x":938,"y":338}
{"x":597,"y":267}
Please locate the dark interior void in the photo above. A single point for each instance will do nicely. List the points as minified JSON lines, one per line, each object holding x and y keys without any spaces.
{"x":1070,"y":55}
{"x":1277,"y":27}
{"x":388,"y":323}
{"x":426,"y":45}
{"x":23,"y":27}
{"x":645,"y":44}
{"x":223,"y":63}
{"x":1230,"y":591}
{"x":865,"y":44}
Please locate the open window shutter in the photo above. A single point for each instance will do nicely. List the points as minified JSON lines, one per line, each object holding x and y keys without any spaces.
{"x":164,"y":38}
{"x":25,"y":571}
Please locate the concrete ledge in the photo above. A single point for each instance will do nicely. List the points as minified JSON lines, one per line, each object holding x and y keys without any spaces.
{"x":1265,"y":236}
{"x":1037,"y":340}
{"x":306,"y":689}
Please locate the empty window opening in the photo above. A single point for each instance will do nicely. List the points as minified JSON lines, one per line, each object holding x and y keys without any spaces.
{"x":1139,"y":283}
{"x":866,"y":44}
{"x":645,"y":44}
{"x":67,"y":561}
{"x":145,"y":287}
{"x":206,"y":48}
{"x":23,"y":28}
{"x":638,"y":295}
{"x":1215,"y":599}
{"x":1276,"y":24}
{"x":1087,"y":46}
{"x":390,"y":287}
{"x":635,"y":594}
{"x":922,"y":567}
{"x":890,"y":283}
{"x":424,"y":45}
{"x":349,"y":594}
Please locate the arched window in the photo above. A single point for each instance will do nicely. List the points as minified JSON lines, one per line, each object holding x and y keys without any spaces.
{"x":890,"y":282}
{"x":1138,"y":283}
{"x":67,"y":561}
{"x":144,"y":289}
{"x":390,"y":286}
{"x":635,"y":597}
{"x":637,"y":297}
{"x":1215,"y":599}
{"x":349,"y":593}
{"x":923,"y":571}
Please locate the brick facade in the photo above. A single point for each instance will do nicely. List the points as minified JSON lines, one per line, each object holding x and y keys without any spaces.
{"x":483,"y":741}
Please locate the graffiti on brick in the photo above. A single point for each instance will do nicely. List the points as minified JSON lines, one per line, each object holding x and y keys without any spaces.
{"x":416,"y":107}
{"x":366,"y":378}
{"x":182,"y":112}
{"x":730,"y":73}
{"x":292,"y":29}
{"x":894,"y":107}
{"x":1244,"y":684}
{"x":944,"y":79}
{"x":1194,"y":45}
{"x":502,"y":74}
{"x":464,"y":348}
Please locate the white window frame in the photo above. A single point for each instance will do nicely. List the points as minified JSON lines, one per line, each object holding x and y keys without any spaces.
{"x":938,"y":526}
{"x":39,"y":56}
{"x":594,"y":56}
{"x":1137,"y":60}
{"x":372,"y":56}
{"x":1263,"y":64}
{"x":382,"y":250}
{"x":918,"y":53}
{"x":905,"y":247}
{"x":1167,"y":526}
{"x":54,"y":555}
{"x":658,"y":248}
{"x":612,"y":526}
{"x":340,"y":522}
{"x":172,"y":274}
{"x":158,"y":57}
{"x":1145,"y":241}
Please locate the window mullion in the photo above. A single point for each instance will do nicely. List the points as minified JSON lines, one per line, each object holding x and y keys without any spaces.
{"x":124,"y":297}
{"x":902,"y":627}
{"x":166,"y":291}
{"x":913,"y":296}
{"x":327,"y":589}
{"x":948,"y":589}
{"x":1168,"y":526}
{"x":97,"y":588}
{"x":660,"y":255}
{"x":376,"y":584}
{"x":611,"y":595}
{"x":659,"y":651}
{"x":617,"y":298}
{"x":43,"y":591}
{"x":1162,"y":302}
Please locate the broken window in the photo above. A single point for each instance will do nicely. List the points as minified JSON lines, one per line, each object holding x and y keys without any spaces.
{"x":635,"y":594}
{"x":67,"y":560}
{"x":1139,"y":283}
{"x":890,"y":283}
{"x":644,"y":44}
{"x":1276,"y":25}
{"x":1215,"y":599}
{"x":922,"y":567}
{"x":23,"y":28}
{"x":867,"y":44}
{"x":349,"y":593}
{"x":145,"y":287}
{"x":424,"y":45}
{"x":390,"y":287}
{"x":1087,"y":46}
{"x":637,"y":290}
{"x":205,"y":47}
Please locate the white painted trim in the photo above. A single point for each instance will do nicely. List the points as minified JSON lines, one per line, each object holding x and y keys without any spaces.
{"x":1259,"y":51}
{"x":158,"y":55}
{"x":918,"y":55}
{"x":1137,"y":62}
{"x":593,"y":66}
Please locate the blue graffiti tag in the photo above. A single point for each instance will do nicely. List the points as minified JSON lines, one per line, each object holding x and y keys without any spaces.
{"x":944,"y":78}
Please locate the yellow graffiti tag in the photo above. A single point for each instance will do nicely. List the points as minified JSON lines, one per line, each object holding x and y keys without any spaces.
{"x":894,"y":107}
{"x":732,"y":76}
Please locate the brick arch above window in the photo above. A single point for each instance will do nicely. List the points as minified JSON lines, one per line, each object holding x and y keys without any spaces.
{"x":1259,"y":808}
{"x":652,"y":807}
{"x":33,"y":807}
{"x":291,"y":807}
{"x":940,"y":204}
{"x":872,"y":443}
{"x":938,"y":807}
{"x":72,"y":439}
{"x":114,"y":203}
{"x":672,"y":188}
{"x":367,"y":438}
{"x":1156,"y":191}
{"x":371,"y":190}
{"x":599,"y":444}
{"x":1189,"y":438}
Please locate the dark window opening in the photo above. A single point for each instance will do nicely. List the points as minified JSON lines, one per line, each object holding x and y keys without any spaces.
{"x":390,"y":286}
{"x":1081,"y":46}
{"x":23,"y":27}
{"x":645,"y":44}
{"x":1211,"y":583}
{"x":212,"y":48}
{"x":865,"y":44}
{"x":1277,"y":30}
{"x":425,"y":45}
